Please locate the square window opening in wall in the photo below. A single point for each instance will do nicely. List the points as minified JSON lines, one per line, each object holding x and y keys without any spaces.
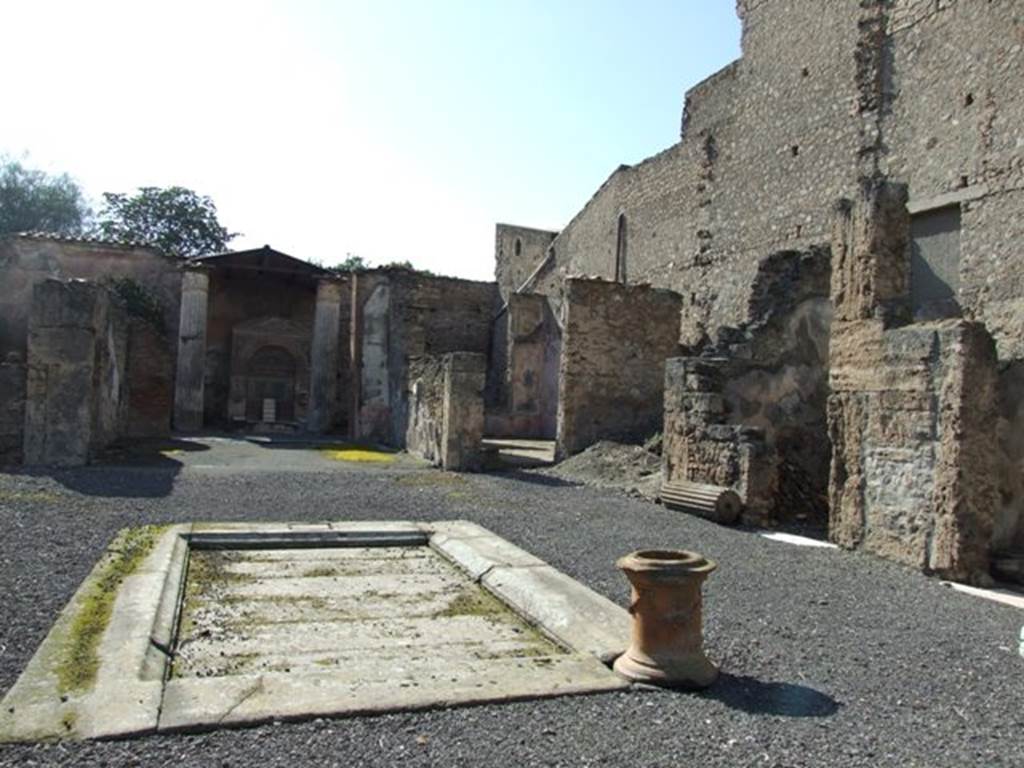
{"x":935,"y":263}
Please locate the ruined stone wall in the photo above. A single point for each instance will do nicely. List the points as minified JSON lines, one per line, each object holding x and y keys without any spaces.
{"x":954,"y":137}
{"x":701,"y":444}
{"x":750,"y":412}
{"x":446,"y":409}
{"x":912,"y":414}
{"x":767,"y":143}
{"x":426,"y":385}
{"x":432,"y":315}
{"x":402,"y":314}
{"x":517,"y":252}
{"x":913,"y":408}
{"x":12,"y":412}
{"x":28,"y":260}
{"x":75,"y":392}
{"x":612,"y":372}
{"x":919,"y":91}
{"x":922,"y":93}
{"x":1008,"y":527}
{"x":528,"y":368}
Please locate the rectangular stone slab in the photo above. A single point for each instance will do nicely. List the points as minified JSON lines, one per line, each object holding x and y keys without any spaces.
{"x":204,"y":703}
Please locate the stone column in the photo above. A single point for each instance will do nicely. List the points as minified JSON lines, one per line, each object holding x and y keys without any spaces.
{"x":188,"y":384}
{"x":323,"y":369}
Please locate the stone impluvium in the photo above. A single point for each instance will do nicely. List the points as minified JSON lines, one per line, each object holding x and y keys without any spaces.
{"x":666,"y":605}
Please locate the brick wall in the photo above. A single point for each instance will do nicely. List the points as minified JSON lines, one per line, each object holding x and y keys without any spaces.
{"x":150,"y":381}
{"x":612,"y":372}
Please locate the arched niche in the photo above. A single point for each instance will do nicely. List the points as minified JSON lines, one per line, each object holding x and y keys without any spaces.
{"x":270,"y":360}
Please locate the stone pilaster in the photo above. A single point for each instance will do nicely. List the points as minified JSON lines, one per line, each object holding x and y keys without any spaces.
{"x":323,"y":370}
{"x":188,"y":385}
{"x":66,"y":323}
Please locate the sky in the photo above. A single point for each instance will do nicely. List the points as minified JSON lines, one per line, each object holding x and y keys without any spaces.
{"x":397,"y":130}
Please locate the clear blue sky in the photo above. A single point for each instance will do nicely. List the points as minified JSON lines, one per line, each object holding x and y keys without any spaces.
{"x":396,"y":130}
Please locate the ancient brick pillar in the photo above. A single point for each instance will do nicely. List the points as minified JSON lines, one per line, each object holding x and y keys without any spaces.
{"x":323,"y":369}
{"x":188,"y":385}
{"x":870,"y":273}
{"x":870,"y":255}
{"x":912,"y":407}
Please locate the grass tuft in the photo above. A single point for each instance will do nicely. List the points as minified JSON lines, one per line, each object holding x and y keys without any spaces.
{"x":472,"y":602}
{"x":76,"y":670}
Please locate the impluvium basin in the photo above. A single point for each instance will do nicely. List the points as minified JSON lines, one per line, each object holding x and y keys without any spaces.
{"x":203,"y":625}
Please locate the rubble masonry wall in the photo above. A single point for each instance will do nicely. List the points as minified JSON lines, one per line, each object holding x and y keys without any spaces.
{"x":612,"y":372}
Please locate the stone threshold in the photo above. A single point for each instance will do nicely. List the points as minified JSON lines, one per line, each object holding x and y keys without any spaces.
{"x":132,"y":692}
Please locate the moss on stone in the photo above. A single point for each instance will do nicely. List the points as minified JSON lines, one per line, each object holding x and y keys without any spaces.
{"x":471,"y":603}
{"x":79,"y":662}
{"x":320,"y":572}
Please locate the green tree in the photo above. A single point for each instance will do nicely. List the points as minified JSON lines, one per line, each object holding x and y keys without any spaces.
{"x":351,"y":263}
{"x":175,"y":220}
{"x":34,"y":201}
{"x":408,"y":265}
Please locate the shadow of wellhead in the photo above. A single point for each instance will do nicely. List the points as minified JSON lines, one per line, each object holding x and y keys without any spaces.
{"x":758,"y":697}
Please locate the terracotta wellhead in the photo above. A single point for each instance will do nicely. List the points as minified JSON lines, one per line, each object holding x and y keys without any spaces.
{"x":666,"y":605}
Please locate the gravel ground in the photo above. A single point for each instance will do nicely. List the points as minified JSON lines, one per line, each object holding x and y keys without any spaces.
{"x":828,"y":658}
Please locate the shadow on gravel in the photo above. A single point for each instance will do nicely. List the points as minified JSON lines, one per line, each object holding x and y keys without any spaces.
{"x":748,"y":694}
{"x":306,"y":443}
{"x":122,"y":482}
{"x":534,"y":478}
